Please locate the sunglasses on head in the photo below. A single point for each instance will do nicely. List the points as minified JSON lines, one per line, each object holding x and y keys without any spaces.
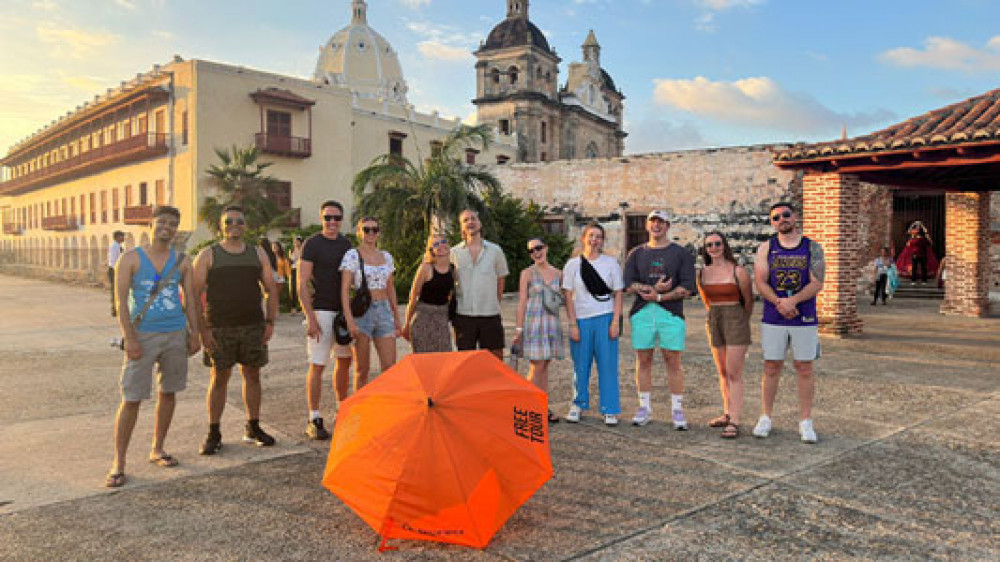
{"x":717,"y":244}
{"x":441,"y":242}
{"x":537,"y":248}
{"x":333,"y":218}
{"x":782,"y":215}
{"x":231,"y":222}
{"x":369,"y":229}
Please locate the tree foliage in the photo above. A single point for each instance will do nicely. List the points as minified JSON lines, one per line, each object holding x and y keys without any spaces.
{"x":239,"y":179}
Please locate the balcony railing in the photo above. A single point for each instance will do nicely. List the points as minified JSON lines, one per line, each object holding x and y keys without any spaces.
{"x":293,"y":219}
{"x":13,"y":229}
{"x":284,"y":145}
{"x":138,"y":214}
{"x":59,"y":222}
{"x":137,"y":147}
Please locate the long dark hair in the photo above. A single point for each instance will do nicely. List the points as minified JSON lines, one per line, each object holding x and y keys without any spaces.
{"x":279,"y":250}
{"x":265,"y":245}
{"x":727,"y":252}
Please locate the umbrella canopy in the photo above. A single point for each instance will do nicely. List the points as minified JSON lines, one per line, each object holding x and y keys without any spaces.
{"x":441,"y":447}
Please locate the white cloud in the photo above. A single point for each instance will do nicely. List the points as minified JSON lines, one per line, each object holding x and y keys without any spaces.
{"x":711,"y":8}
{"x":758,"y":102}
{"x":127,"y":4}
{"x":414,"y":4}
{"x":438,"y":51}
{"x":74,"y":43}
{"x":947,"y":54}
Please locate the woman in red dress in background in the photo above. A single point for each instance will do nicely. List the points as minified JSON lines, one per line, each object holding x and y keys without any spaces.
{"x":917,"y":260}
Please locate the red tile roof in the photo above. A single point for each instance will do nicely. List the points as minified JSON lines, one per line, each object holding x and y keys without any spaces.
{"x":975,"y":120}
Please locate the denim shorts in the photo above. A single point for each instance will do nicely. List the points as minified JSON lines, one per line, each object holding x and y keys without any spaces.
{"x":378,"y":321}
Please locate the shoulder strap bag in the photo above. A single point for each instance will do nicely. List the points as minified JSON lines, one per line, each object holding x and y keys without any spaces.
{"x":593,"y":281}
{"x":160,"y":283}
{"x":362,"y":298}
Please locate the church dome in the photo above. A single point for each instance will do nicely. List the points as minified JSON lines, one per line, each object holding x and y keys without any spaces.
{"x":516,"y":32}
{"x":360,"y":59}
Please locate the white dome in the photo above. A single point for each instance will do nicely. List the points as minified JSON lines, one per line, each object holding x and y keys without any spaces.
{"x":360,"y":59}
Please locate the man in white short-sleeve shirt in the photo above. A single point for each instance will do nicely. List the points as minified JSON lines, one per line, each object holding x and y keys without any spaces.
{"x":480,"y":269}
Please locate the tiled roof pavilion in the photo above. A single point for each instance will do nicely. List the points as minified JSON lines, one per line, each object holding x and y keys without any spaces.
{"x":954,"y":147}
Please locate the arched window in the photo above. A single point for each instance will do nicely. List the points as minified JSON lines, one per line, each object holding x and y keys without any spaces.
{"x":592,"y":151}
{"x":512,"y":72}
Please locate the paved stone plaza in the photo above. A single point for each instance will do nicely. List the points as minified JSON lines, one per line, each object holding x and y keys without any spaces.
{"x":907,"y":466}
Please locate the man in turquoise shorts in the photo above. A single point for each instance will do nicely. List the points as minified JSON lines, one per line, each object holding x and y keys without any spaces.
{"x":661,"y":275}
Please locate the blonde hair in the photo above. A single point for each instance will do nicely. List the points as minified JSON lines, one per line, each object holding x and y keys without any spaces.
{"x":429,"y":256}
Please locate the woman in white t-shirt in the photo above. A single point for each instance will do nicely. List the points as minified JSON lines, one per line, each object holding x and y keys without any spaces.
{"x":594,"y":308}
{"x":380,"y":323}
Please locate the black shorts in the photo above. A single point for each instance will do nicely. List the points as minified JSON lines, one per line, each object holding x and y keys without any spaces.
{"x":478,"y":332}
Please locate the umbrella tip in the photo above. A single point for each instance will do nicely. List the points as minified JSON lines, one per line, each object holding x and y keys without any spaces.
{"x":430,"y":401}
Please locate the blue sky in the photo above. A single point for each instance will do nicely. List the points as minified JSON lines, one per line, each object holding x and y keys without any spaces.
{"x":695,"y":73}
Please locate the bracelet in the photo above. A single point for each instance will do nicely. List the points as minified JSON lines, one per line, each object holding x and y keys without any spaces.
{"x":518,"y":329}
{"x":658,"y":296}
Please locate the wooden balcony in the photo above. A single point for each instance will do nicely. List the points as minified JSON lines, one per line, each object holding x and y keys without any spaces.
{"x":12,"y":229}
{"x":133,"y":149}
{"x":138,"y":214}
{"x":284,"y":145}
{"x":59,"y":222}
{"x":293,"y":220}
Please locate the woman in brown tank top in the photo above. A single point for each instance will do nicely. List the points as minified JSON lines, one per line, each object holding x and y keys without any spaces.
{"x":727,"y":293}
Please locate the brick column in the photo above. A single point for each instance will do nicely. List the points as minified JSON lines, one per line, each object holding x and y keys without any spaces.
{"x":831,"y":205}
{"x":967,"y":240}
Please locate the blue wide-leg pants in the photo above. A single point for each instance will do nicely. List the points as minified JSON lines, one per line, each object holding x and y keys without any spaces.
{"x":596,"y":345}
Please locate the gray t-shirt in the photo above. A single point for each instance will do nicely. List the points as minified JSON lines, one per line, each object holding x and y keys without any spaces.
{"x":647,"y":265}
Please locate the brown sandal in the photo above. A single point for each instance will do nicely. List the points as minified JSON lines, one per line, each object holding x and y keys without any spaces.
{"x":720,"y":421}
{"x":115,"y":480}
{"x":732,"y":431}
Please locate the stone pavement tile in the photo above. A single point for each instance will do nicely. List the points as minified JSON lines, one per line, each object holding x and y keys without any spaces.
{"x":780,"y":523}
{"x":974,"y":424}
{"x":919,"y":477}
{"x":58,"y":459}
{"x":884,"y":402}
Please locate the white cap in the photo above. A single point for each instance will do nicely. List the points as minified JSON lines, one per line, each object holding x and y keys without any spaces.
{"x":658,"y":214}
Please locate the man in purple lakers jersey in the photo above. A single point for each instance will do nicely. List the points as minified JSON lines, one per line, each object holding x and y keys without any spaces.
{"x":789,"y":272}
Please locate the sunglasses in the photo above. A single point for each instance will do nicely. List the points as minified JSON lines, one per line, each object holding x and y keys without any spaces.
{"x":370,"y":229}
{"x":441,"y":242}
{"x":713,"y":244}
{"x":537,"y":248}
{"x":231,"y":222}
{"x":333,"y":218}
{"x":782,"y":215}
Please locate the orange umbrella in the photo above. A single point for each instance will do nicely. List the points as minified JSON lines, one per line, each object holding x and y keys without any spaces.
{"x":441,"y":447}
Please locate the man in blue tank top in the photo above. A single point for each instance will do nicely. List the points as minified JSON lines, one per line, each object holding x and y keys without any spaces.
{"x":789,"y":271}
{"x":165,"y":335}
{"x":234,"y":329}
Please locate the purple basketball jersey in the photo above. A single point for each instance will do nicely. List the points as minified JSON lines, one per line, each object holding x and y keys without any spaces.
{"x":788,"y":274}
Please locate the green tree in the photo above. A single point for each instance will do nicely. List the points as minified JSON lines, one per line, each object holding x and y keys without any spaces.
{"x":520,"y":221}
{"x":409,"y":199}
{"x":239,"y":179}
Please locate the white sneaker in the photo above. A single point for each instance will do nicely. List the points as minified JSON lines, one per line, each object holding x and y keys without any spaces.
{"x":573,"y":416}
{"x":610,"y":419}
{"x":763,"y":427}
{"x":807,"y":432}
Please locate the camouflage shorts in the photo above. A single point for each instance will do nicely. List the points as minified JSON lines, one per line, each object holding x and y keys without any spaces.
{"x":239,"y":344}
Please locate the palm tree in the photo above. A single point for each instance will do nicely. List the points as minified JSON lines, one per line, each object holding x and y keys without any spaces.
{"x":240,"y":180}
{"x":408,"y":197}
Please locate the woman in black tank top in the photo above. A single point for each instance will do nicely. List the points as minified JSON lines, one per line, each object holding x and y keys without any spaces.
{"x":426,"y":325}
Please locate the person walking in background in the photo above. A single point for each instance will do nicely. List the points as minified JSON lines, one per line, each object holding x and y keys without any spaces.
{"x":234,"y":330}
{"x":427,"y":326}
{"x":283,"y":270}
{"x":592,"y":283}
{"x":727,"y":292}
{"x":293,"y":284}
{"x":115,"y":251}
{"x":539,"y":329}
{"x":159,"y":327}
{"x":789,"y":270}
{"x":882,"y":264}
{"x":480,"y":269}
{"x":319,"y":295}
{"x":661,"y":275}
{"x":367,"y":265}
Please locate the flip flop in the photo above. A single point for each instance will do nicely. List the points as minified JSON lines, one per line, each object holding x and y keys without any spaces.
{"x":165,"y":460}
{"x":115,"y":480}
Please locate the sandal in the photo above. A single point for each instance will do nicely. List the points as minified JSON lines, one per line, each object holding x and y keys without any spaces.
{"x":721,"y":421}
{"x":164,"y":460}
{"x":115,"y":480}
{"x":553,"y":418}
{"x":732,"y":431}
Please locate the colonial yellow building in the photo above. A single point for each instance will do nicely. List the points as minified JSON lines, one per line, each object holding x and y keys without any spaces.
{"x":102,"y":166}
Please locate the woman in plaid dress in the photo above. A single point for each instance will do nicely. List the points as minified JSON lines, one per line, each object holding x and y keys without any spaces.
{"x":539,"y":333}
